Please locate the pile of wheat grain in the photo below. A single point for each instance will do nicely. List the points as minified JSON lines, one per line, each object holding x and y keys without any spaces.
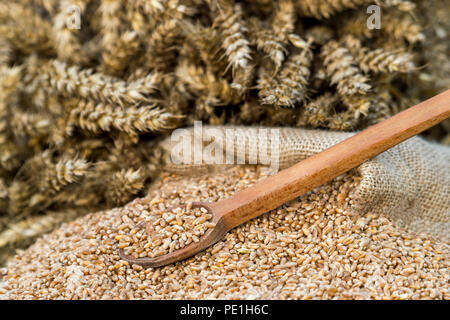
{"x":309,"y":248}
{"x":163,"y":230}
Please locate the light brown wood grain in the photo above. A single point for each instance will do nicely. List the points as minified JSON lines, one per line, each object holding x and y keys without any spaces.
{"x":310,"y":173}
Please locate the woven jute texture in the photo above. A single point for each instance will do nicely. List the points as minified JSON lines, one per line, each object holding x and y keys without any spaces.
{"x":410,"y":182}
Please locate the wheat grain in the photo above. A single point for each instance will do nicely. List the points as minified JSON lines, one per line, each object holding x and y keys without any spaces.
{"x":342,"y":69}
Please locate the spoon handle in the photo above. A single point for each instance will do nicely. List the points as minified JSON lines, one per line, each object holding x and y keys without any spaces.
{"x":324,"y":166}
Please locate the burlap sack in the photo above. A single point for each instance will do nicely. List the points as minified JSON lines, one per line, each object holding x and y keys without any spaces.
{"x":409,"y":182}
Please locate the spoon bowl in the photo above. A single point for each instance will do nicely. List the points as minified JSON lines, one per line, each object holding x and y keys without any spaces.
{"x":210,"y":237}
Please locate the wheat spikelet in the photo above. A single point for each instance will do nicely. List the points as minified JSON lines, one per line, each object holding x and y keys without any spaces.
{"x":57,"y":176}
{"x":97,"y":117}
{"x":89,"y":192}
{"x":357,"y":105}
{"x":268,"y":42}
{"x":242,"y":79}
{"x":344,"y":121}
{"x":123,"y":185}
{"x":318,"y":112}
{"x":289,"y":88}
{"x":235,"y":44}
{"x":205,"y":85}
{"x":112,"y":20}
{"x":208,"y":44}
{"x":266,"y":82}
{"x":19,"y":193}
{"x":30,"y":124}
{"x":118,"y":46}
{"x":40,"y":180}
{"x":292,"y":82}
{"x":175,"y":101}
{"x":34,"y":35}
{"x":342,"y":69}
{"x":319,"y":80}
{"x":152,"y":7}
{"x":72,"y":81}
{"x":24,"y":231}
{"x":161,"y":45}
{"x":382,"y":106}
{"x":379,"y":60}
{"x":116,"y":58}
{"x":206,"y":88}
{"x":284,"y":19}
{"x":31,"y":81}
{"x":112,"y":17}
{"x":402,"y":5}
{"x":402,"y":27}
{"x":9,"y":84}
{"x":138,"y":20}
{"x":324,"y":9}
{"x":177,"y":9}
{"x":322,"y":112}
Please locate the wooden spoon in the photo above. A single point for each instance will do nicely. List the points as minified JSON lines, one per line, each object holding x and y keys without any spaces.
{"x":308,"y":174}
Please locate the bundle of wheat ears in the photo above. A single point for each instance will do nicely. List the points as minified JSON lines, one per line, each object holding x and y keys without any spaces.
{"x":82,"y":109}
